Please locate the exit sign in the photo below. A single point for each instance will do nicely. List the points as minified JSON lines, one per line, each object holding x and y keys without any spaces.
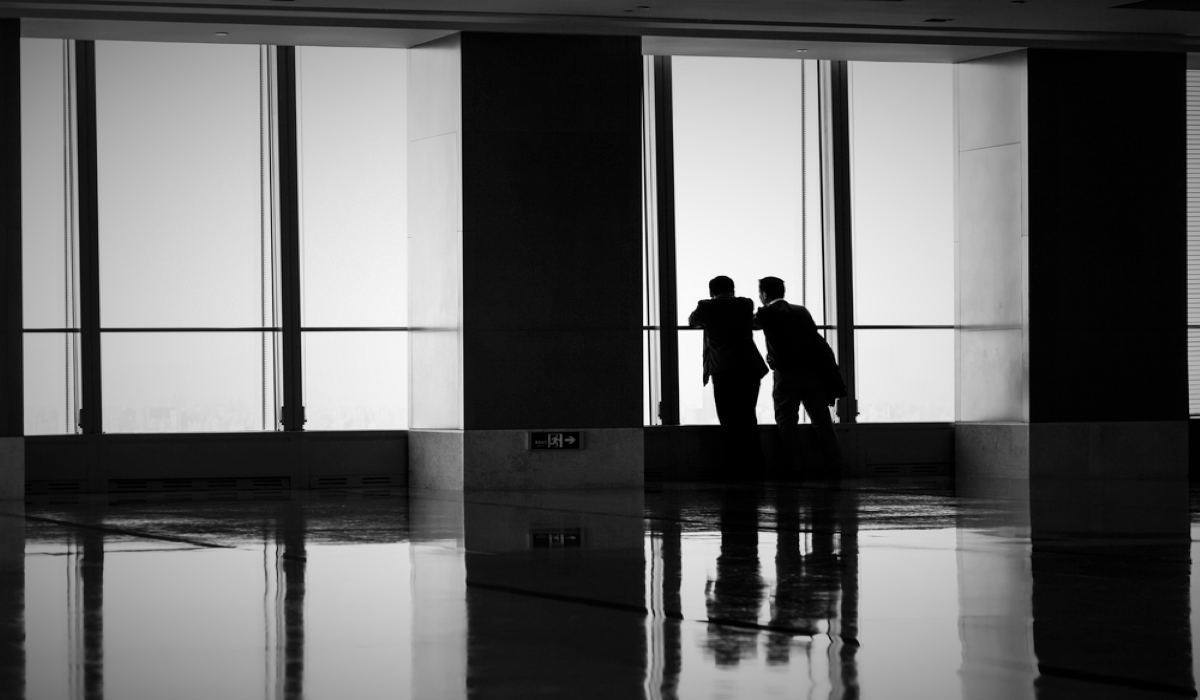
{"x":556,"y":441}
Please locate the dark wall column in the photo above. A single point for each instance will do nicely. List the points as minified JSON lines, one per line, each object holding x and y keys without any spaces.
{"x":1071,"y":253}
{"x":536,"y":299}
{"x":12,"y":363}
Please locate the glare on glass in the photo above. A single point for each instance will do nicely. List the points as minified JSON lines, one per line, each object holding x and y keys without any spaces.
{"x":902,"y":166}
{"x":905,"y":375}
{"x":747,"y":177}
{"x":49,"y":246}
{"x":188,"y":382}
{"x":353,"y":156}
{"x":51,"y":383}
{"x":179,"y":129}
{"x":356,"y":380}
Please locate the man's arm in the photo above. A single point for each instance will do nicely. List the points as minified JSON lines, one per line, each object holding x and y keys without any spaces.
{"x":762,"y":317}
{"x":696,"y":318}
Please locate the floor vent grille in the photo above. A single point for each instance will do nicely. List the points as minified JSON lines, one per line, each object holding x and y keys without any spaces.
{"x":357,"y":481}
{"x":55,"y":486}
{"x":185,"y":486}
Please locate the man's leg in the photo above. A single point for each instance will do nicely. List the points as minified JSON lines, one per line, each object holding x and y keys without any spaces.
{"x":786,"y":395}
{"x":725,"y":397}
{"x":816,"y":405}
{"x":748,"y":423}
{"x":736,"y":396}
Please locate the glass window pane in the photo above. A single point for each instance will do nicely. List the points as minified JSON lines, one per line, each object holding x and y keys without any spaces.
{"x":356,"y":380}
{"x":188,"y":382}
{"x":696,"y":405}
{"x":902,"y":138}
{"x":178,"y":148}
{"x":746,"y":147}
{"x":905,"y":376}
{"x":49,"y":246}
{"x":354,"y":162}
{"x":50,"y":383}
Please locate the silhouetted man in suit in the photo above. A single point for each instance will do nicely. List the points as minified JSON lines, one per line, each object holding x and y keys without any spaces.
{"x":732,"y":361}
{"x":805,"y":373}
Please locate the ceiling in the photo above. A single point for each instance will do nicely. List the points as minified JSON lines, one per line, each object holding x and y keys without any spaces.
{"x":933,"y":30}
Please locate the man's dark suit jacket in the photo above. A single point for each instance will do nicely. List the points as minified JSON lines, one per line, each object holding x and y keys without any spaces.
{"x":728,"y":324}
{"x":795,"y":346}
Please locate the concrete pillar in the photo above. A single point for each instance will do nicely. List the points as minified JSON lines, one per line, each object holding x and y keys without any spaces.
{"x":525,"y":260}
{"x":1071,"y":265}
{"x":12,"y":364}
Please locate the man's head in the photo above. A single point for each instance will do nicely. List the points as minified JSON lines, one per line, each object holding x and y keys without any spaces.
{"x":770,"y":289}
{"x":720,"y":285}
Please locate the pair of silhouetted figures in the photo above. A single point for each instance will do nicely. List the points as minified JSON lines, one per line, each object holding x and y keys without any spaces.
{"x":804,"y":373}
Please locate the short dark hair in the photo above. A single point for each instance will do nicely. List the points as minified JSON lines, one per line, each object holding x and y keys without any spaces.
{"x":720,"y":285}
{"x":772,"y":287}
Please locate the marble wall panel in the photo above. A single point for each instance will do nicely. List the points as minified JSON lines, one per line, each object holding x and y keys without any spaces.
{"x":992,"y":361}
{"x":435,"y":283}
{"x":996,"y":450}
{"x":500,"y":460}
{"x":435,"y":459}
{"x":990,"y":94}
{"x":435,"y":88}
{"x":993,"y":376}
{"x":990,"y":227}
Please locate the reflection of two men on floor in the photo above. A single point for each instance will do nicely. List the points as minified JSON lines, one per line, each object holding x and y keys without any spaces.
{"x":792,"y":605}
{"x":805,"y":373}
{"x":810,"y":570}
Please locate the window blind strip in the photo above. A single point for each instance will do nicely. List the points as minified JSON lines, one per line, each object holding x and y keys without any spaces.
{"x":1193,"y":235}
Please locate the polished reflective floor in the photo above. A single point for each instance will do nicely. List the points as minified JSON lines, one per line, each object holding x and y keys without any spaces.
{"x":824,"y":590}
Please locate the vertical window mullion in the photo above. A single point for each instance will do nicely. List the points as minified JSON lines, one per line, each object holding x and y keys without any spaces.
{"x":667,"y":286}
{"x":836,"y":111}
{"x":289,"y":230}
{"x":91,"y":416}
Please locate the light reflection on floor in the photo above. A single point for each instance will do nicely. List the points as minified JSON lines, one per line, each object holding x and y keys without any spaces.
{"x":871,"y":590}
